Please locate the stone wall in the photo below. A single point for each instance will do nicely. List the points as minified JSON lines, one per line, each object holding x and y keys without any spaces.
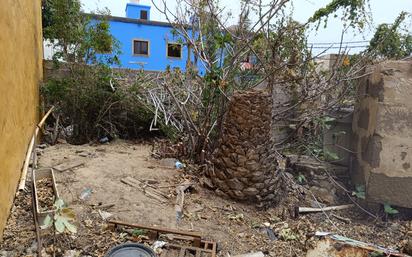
{"x":245,"y":166}
{"x":382,"y":127}
{"x":20,"y":75}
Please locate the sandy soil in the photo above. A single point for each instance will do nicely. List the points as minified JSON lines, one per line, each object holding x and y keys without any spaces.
{"x":237,"y":227}
{"x":104,"y":167}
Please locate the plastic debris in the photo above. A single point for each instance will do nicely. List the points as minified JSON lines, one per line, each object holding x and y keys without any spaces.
{"x":270,"y":234}
{"x":104,"y":214}
{"x":179,"y":165}
{"x":353,"y":247}
{"x":157,"y":246}
{"x":85,"y":194}
{"x":104,"y":140}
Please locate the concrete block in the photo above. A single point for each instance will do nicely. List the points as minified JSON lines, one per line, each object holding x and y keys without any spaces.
{"x":382,"y":127}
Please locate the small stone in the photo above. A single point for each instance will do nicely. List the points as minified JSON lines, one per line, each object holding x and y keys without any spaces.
{"x":323,"y":195}
{"x":71,"y":253}
{"x":42,"y":146}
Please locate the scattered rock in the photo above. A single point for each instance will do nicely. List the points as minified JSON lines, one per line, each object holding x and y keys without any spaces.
{"x":42,"y":146}
{"x":71,"y":253}
{"x":256,"y":254}
{"x":323,"y":195}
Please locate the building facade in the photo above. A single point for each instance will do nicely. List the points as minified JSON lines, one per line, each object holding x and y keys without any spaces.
{"x":149,"y":45}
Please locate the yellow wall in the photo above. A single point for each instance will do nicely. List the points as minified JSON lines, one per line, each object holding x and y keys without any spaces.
{"x":20,"y":75}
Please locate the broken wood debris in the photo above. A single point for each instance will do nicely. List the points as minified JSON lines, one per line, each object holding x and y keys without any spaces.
{"x":159,"y":230}
{"x":329,"y":246}
{"x":199,"y":247}
{"x":30,"y":151}
{"x":101,"y":206}
{"x":180,"y":198}
{"x":299,"y":210}
{"x":148,"y":190}
{"x":69,"y":165}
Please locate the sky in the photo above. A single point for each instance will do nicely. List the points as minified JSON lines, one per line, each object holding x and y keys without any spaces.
{"x":382,"y":11}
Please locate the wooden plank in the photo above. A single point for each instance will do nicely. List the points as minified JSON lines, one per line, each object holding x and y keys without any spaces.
{"x":158,"y":229}
{"x":214,"y":248}
{"x":68,"y":165}
{"x":148,"y":192}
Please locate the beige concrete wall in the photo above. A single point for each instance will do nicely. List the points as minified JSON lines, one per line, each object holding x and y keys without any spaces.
{"x":20,"y":74}
{"x":382,"y":126}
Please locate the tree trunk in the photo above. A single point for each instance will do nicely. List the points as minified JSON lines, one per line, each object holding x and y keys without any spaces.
{"x":245,"y":165}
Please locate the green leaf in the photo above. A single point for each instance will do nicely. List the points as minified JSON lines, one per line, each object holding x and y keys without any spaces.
{"x":360,"y":192}
{"x":70,"y":227}
{"x":59,"y":203}
{"x":287,"y":234}
{"x":59,"y":224}
{"x":327,"y":119}
{"x":301,"y":178}
{"x":47,"y":222}
{"x":389,"y":210}
{"x":360,"y":195}
{"x":376,"y":254}
{"x":138,"y":232}
{"x":360,"y":188}
{"x":330,"y":155}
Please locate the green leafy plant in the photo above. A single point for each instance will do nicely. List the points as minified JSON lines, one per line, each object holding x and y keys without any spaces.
{"x":74,"y":36}
{"x":359,"y":192}
{"x":138,"y":232}
{"x":330,"y":156}
{"x":325,"y":122}
{"x":301,"y":179}
{"x":62,"y":219}
{"x":354,"y":12}
{"x":389,"y":209}
{"x":389,"y":41}
{"x":287,"y":234}
{"x":376,"y":254}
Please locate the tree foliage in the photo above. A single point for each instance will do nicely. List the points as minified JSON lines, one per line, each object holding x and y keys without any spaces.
{"x":87,"y":98}
{"x":74,"y":36}
{"x":354,"y":12}
{"x":389,"y":41}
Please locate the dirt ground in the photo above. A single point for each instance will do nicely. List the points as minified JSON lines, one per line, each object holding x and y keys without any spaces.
{"x":236,"y":227}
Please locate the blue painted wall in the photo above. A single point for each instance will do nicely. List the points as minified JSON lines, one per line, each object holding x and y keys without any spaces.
{"x":125,"y":30}
{"x":133,"y":10}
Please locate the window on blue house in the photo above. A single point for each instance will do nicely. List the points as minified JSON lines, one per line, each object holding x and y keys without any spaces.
{"x":140,"y":47}
{"x":174,"y":50}
{"x":143,"y":15}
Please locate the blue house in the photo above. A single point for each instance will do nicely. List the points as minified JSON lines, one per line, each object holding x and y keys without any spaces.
{"x":149,"y":45}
